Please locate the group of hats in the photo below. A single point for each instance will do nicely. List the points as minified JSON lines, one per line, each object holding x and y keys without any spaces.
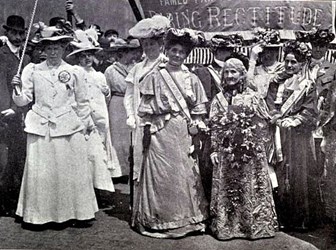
{"x":159,"y":26}
{"x":315,"y":36}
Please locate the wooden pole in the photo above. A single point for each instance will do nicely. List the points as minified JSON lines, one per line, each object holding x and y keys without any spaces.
{"x":136,"y":10}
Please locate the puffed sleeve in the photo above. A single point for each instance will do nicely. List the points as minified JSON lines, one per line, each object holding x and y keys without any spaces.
{"x":80,"y":90}
{"x":27,"y":92}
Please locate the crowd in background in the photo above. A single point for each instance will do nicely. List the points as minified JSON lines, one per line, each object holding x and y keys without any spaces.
{"x":244,"y":146}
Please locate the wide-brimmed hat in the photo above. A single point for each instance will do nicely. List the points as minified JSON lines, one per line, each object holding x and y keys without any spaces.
{"x":155,"y":26}
{"x":118,"y":44}
{"x":268,"y":38}
{"x":46,"y":33}
{"x":15,"y":23}
{"x":226,"y":41}
{"x":316,"y":36}
{"x":85,"y":41}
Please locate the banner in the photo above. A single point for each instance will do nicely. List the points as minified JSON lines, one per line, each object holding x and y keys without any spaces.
{"x":241,"y":15}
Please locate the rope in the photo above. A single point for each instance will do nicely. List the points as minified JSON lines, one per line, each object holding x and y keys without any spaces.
{"x":27,"y":38}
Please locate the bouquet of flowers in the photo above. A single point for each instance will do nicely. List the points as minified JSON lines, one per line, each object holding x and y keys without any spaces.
{"x":240,"y":135}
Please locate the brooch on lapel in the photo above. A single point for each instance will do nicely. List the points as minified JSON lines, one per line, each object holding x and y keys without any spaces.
{"x":64,"y":77}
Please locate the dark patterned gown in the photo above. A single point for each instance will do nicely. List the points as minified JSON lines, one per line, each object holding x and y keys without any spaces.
{"x":242,"y":205}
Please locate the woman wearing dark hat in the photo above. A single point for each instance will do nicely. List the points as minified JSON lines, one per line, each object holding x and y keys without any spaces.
{"x":115,"y":77}
{"x":291,"y":100}
{"x":241,"y":199}
{"x":57,"y":182}
{"x":99,"y":143}
{"x":150,"y":32}
{"x":170,"y":199}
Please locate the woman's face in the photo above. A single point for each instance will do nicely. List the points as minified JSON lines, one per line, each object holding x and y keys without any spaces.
{"x":176,"y":55}
{"x":292,"y":65}
{"x":54,"y":53}
{"x":151,"y":47}
{"x":86,"y":59}
{"x":231,"y":76}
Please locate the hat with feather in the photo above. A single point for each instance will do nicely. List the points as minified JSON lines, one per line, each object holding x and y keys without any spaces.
{"x":155,"y":26}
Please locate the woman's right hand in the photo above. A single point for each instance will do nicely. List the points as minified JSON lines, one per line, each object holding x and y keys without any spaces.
{"x":16,"y":81}
{"x":255,"y":51}
{"x":131,"y":123}
{"x":214,"y":158}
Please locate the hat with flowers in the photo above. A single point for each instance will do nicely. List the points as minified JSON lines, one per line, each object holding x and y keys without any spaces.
{"x":316,"y":36}
{"x":267,"y":37}
{"x":226,"y":41}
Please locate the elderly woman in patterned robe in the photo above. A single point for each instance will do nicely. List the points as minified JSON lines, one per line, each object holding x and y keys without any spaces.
{"x":241,"y":202}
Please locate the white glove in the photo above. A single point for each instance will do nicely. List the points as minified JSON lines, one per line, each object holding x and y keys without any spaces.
{"x":131,"y":123}
{"x":7,"y":113}
{"x":214,"y":158}
{"x":289,"y":122}
{"x":255,"y":52}
{"x":3,"y":39}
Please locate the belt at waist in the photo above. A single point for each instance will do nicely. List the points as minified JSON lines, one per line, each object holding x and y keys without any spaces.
{"x":118,"y":94}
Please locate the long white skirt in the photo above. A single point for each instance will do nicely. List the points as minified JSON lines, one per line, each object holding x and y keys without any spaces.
{"x":57,"y":182}
{"x":99,"y":163}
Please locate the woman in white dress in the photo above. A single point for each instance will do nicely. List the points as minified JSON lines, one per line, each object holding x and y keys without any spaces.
{"x":98,"y":94}
{"x":115,"y":77}
{"x":57,"y":182}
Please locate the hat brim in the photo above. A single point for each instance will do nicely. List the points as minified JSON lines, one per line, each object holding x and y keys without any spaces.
{"x":75,"y":52}
{"x":226,"y":46}
{"x":116,"y":48}
{"x":56,"y":39}
{"x":273,"y":45}
{"x":13,"y":28}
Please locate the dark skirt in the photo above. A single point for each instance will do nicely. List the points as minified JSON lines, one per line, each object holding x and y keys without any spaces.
{"x":298,"y":199}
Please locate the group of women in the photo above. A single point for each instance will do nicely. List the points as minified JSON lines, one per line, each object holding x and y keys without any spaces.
{"x":250,"y":127}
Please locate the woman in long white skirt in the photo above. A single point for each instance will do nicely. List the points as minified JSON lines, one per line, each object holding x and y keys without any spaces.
{"x":57,"y":185}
